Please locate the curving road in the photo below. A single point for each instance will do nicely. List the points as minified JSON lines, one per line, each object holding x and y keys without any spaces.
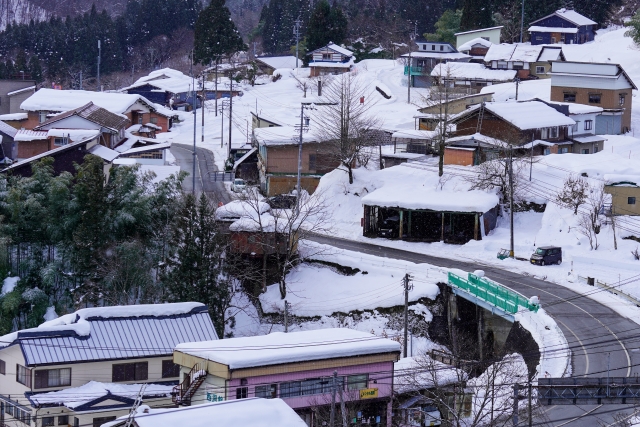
{"x":598,"y":336}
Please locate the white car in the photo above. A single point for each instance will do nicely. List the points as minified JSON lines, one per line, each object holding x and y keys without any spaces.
{"x":238,"y":185}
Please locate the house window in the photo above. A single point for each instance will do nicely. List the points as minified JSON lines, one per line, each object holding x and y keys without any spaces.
{"x":553,"y":40}
{"x":23,"y":375}
{"x":22,"y":415}
{"x":242,"y":392}
{"x":60,"y":141}
{"x":290,"y":389}
{"x":540,"y":69}
{"x":47,"y":421}
{"x":42,"y":116}
{"x":547,"y":151}
{"x":621,"y":99}
{"x":518,"y":65}
{"x":433,"y":47}
{"x":576,"y":127}
{"x":267,"y":391}
{"x":588,"y":124}
{"x":3,"y":367}
{"x":154,"y":120}
{"x":312,"y":162}
{"x":631,"y":200}
{"x":424,"y":47}
{"x":569,"y":97}
{"x":326,"y":57}
{"x":97,"y":422}
{"x":140,"y":119}
{"x":585,"y":151}
{"x":76,"y":422}
{"x":52,"y":378}
{"x":594,"y":98}
{"x":63,"y":420}
{"x":357,"y":382}
{"x":129,"y":371}
{"x":502,"y":64}
{"x":170,"y":369}
{"x":441,"y":47}
{"x":553,"y":132}
{"x":563,"y":150}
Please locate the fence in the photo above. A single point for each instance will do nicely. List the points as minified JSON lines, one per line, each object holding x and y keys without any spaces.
{"x":493,"y":293}
{"x":611,"y":289}
{"x":221,"y":176}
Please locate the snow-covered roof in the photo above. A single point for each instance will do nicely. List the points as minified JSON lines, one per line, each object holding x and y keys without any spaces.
{"x":422,"y":372}
{"x":575,"y":108}
{"x":537,"y":142}
{"x":588,"y":139}
{"x":443,"y":55}
{"x":277,"y":62}
{"x":254,"y":412}
{"x":500,"y":52}
{"x":425,"y":135}
{"x":116,"y":332}
{"x":265,"y":223}
{"x":611,"y":179}
{"x":24,"y":89}
{"x":468,"y":45}
{"x":14,"y":116}
{"x":74,"y":134}
{"x":526,"y":53}
{"x":571,"y":16}
{"x":8,"y":130}
{"x":339,"y":49}
{"x":282,"y":135}
{"x":107,"y":154}
{"x":65,"y":100}
{"x":521,"y":52}
{"x":279,"y":347}
{"x":29,"y":135}
{"x":173,"y":81}
{"x":243,"y":158}
{"x":329,"y":64}
{"x":550,"y":54}
{"x":151,"y":147}
{"x":76,"y":397}
{"x":538,"y":29}
{"x":471,"y":71}
{"x":420,"y":197}
{"x":529,"y":114}
{"x":477,"y":137}
{"x":479,"y":31}
{"x":239,"y":208}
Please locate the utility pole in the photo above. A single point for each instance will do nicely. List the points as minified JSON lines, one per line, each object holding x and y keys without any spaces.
{"x":99,"y":54}
{"x":216,"y":97}
{"x":286,"y":316}
{"x":296,"y":31}
{"x":221,"y":124}
{"x":515,"y":405}
{"x":193,"y":94}
{"x":343,"y":409}
{"x":511,"y":247}
{"x":332,"y":417}
{"x":517,"y":86}
{"x":204,"y":97}
{"x":407,"y":288}
{"x":530,"y":410}
{"x":300,"y":160}
{"x":409,"y":76}
{"x":230,"y":112}
{"x":522,"y":21}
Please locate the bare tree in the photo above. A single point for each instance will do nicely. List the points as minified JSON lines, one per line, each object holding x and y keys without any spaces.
{"x":589,"y":220}
{"x":302,"y":83}
{"x":574,"y":193}
{"x":346,"y":125}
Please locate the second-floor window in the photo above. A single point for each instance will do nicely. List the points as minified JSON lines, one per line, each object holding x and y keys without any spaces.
{"x":631,"y":200}
{"x":52,"y":378}
{"x":569,"y":97}
{"x":23,"y":375}
{"x":357,"y":382}
{"x":576,"y":127}
{"x":47,"y":421}
{"x":539,"y":69}
{"x":588,"y":124}
{"x":42,"y":116}
{"x":170,"y":369}
{"x":621,"y":99}
{"x":3,"y":367}
{"x":594,"y":98}
{"x":138,"y":371}
{"x":548,"y":133}
{"x":326,"y":57}
{"x":267,"y":391}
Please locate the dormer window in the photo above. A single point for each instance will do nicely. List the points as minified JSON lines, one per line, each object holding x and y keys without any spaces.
{"x":326,"y":57}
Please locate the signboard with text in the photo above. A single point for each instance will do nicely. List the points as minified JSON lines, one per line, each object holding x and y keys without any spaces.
{"x":368,"y":393}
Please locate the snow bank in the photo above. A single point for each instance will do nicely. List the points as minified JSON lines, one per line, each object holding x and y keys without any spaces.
{"x":279,"y":347}
{"x":422,"y":372}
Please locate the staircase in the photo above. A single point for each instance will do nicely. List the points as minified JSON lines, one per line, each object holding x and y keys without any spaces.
{"x":480,"y":117}
{"x":183,"y":392}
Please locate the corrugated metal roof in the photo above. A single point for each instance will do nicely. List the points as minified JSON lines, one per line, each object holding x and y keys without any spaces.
{"x":118,"y":338}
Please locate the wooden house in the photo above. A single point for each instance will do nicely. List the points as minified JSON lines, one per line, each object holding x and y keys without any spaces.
{"x":330,"y":59}
{"x":268,"y":64}
{"x":564,"y":27}
{"x":517,"y":57}
{"x":477,"y":48}
{"x":625,"y":194}
{"x":469,"y":77}
{"x":603,"y":85}
{"x":420,"y":63}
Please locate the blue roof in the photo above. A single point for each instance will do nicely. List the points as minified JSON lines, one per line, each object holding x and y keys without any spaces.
{"x":113,"y":337}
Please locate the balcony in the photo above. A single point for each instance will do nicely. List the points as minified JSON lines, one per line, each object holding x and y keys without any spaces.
{"x":415,"y":71}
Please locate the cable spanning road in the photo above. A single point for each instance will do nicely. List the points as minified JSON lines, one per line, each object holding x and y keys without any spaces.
{"x":598,"y":336}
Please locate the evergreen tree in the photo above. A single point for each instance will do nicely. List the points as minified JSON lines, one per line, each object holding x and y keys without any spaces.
{"x":446,"y":27}
{"x":326,"y":24}
{"x":35,"y":69}
{"x":277,"y":21}
{"x":475,"y":15}
{"x":215,"y":34}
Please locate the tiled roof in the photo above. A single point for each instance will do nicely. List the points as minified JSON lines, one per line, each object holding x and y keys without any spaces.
{"x":93,"y":113}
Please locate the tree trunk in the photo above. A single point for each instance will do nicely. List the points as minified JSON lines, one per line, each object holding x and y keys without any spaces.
{"x":441,"y":158}
{"x":349,"y":171}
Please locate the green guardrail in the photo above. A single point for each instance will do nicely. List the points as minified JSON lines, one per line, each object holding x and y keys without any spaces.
{"x":493,"y":293}
{"x":415,"y":71}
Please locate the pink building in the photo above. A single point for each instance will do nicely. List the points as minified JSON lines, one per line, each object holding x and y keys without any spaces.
{"x":302,"y":368}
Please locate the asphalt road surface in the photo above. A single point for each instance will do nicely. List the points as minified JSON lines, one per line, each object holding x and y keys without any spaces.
{"x":598,"y":336}
{"x":204,"y":165}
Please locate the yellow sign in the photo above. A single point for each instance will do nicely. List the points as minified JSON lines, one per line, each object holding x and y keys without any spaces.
{"x":368,"y":393}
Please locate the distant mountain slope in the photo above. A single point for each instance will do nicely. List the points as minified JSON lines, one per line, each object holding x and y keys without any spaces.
{"x":21,"y":11}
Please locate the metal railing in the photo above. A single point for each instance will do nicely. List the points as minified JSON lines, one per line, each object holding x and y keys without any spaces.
{"x":415,"y":71}
{"x":610,"y":288}
{"x":493,"y":293}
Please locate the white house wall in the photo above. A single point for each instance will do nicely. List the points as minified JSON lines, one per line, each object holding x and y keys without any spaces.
{"x":492,"y":35}
{"x":12,"y":356}
{"x":72,"y":122}
{"x":583,"y":118}
{"x":585,"y":68}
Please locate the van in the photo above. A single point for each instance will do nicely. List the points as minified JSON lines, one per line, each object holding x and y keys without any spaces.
{"x":546,"y":255}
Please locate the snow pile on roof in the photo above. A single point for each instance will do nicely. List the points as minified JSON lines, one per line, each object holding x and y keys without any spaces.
{"x":528,"y":89}
{"x":78,"y":396}
{"x":617,"y":178}
{"x":265,"y":223}
{"x":575,"y":17}
{"x":529,"y":114}
{"x":24,"y":89}
{"x":8,"y":130}
{"x":74,"y":134}
{"x":415,"y":134}
{"x":477,"y":137}
{"x":279,"y":347}
{"x":278,"y":62}
{"x":339,"y":49}
{"x":500,"y":52}
{"x":465,"y":47}
{"x":550,"y":54}
{"x":169,"y":80}
{"x":24,"y":135}
{"x":107,"y":154}
{"x":283,"y":135}
{"x":238,"y":208}
{"x":421,"y":197}
{"x":14,"y":116}
{"x":538,"y":29}
{"x":579,"y":108}
{"x":526,"y":53}
{"x":421,"y":372}
{"x":437,"y":54}
{"x":254,"y":412}
{"x":65,"y":100}
{"x":471,"y":71}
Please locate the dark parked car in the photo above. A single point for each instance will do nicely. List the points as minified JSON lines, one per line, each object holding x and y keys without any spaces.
{"x":546,"y":255}
{"x":390,"y":227}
